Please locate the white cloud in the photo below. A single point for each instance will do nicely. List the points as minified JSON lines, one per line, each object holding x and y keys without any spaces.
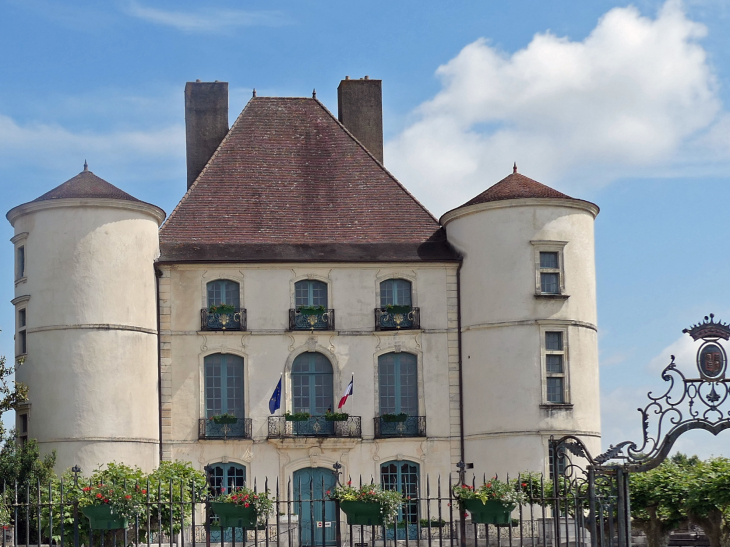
{"x":684,"y":350}
{"x":207,"y":19}
{"x":569,"y":112}
{"x":55,"y":144}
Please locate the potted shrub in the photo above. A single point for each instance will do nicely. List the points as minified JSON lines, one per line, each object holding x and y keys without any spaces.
{"x":109,"y":507}
{"x":336,"y":416}
{"x":369,"y":505}
{"x":311,"y":310}
{"x":297,"y":416}
{"x":402,"y":417}
{"x":221,"y":308}
{"x":492,"y":502}
{"x":243,"y":508}
{"x":222,"y":419}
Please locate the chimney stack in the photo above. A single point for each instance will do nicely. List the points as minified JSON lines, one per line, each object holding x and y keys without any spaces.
{"x":206,"y":122}
{"x":360,"y":110}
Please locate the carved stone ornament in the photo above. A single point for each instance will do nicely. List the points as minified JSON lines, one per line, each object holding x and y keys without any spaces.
{"x":311,"y":344}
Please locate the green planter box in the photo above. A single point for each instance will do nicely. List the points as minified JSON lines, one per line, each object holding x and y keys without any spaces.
{"x":392,"y":418}
{"x":362,"y":512}
{"x":101,"y":518}
{"x":221,"y":420}
{"x":235,"y":516}
{"x":492,"y":512}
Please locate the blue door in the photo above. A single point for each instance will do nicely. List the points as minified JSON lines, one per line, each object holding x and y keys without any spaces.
{"x":223,"y":478}
{"x":315,"y":517}
{"x":403,"y":477}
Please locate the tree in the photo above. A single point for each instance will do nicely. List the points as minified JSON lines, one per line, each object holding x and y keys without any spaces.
{"x":708,"y":500}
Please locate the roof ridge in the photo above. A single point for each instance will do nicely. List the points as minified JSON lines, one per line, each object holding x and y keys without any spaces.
{"x":205,"y":167}
{"x":381,"y":165}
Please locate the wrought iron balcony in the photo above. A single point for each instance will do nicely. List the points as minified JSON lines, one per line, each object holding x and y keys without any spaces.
{"x":311,"y":319}
{"x":397,"y":318}
{"x":235,"y":320}
{"x":412,"y":426}
{"x":208,"y":429}
{"x":314,"y":426}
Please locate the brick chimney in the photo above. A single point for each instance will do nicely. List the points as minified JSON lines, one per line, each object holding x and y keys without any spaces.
{"x":206,"y":122}
{"x":360,"y":109}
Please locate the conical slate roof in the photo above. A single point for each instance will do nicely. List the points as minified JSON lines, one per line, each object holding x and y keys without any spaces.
{"x":516,"y":186}
{"x":290,"y":183}
{"x":86,"y":185}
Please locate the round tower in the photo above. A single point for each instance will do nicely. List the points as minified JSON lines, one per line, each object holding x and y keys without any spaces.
{"x":528,"y":323}
{"x":86,"y":315}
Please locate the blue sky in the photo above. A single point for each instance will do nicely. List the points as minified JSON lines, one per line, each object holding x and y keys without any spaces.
{"x":622,"y":104}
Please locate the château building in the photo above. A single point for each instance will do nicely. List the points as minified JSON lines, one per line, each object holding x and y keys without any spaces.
{"x":295,"y":255}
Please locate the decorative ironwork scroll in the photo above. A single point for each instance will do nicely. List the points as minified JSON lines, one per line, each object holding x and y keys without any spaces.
{"x":687,"y":403}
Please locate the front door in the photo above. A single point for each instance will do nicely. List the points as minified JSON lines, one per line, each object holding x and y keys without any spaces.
{"x":317,"y":518}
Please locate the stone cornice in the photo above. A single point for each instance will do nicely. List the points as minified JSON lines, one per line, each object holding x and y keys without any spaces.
{"x":34,"y":206}
{"x":520,"y":202}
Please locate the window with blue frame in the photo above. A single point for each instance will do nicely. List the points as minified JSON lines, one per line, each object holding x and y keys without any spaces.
{"x":224,"y":391}
{"x":398,"y":383}
{"x":310,"y":293}
{"x":395,"y":292}
{"x":311,"y":381}
{"x":230,"y":476}
{"x":224,"y":291}
{"x":403,"y":477}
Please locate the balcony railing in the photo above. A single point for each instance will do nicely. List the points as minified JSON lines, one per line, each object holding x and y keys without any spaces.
{"x":397,"y":319}
{"x":412,"y":426}
{"x":314,"y":426}
{"x":208,"y":429}
{"x":235,"y":320}
{"x":303,"y":319}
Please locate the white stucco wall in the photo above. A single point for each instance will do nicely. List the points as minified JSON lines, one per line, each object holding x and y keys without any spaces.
{"x":91,"y":364}
{"x":507,"y":418}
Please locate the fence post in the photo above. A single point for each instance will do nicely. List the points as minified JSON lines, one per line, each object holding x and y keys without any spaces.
{"x":621,"y":502}
{"x":592,"y":518}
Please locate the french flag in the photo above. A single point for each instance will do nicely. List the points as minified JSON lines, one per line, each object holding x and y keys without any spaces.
{"x":348,"y":392}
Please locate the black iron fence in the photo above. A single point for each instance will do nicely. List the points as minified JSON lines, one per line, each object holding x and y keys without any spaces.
{"x":406,"y":426}
{"x":314,"y":426}
{"x":306,"y":319}
{"x":233,"y":320}
{"x":555,"y":514}
{"x":209,"y":429}
{"x":397,"y":319}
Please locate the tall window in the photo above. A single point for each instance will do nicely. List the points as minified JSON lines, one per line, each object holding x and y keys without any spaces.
{"x":311,"y":381}
{"x":395,"y":292}
{"x":20,"y":262}
{"x":22,"y":340}
{"x":226,"y":475}
{"x":310,"y":293}
{"x":550,"y":272}
{"x":398,"y":379}
{"x":403,"y":477}
{"x":23,"y":429}
{"x":224,"y":385}
{"x":551,"y":461}
{"x":224,"y":291}
{"x":555,"y":366}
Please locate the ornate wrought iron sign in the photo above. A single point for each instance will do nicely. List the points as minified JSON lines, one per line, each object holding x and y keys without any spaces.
{"x":688,"y":403}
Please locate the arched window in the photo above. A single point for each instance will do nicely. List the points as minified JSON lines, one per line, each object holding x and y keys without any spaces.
{"x":224,"y":291}
{"x":403,"y":477}
{"x":310,"y":293}
{"x":224,"y":386}
{"x":226,"y":475}
{"x":398,"y":383}
{"x":311,"y":381}
{"x":395,"y":292}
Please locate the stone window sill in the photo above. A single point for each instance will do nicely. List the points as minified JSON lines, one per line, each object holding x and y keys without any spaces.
{"x":557,"y":406}
{"x":553,"y":296}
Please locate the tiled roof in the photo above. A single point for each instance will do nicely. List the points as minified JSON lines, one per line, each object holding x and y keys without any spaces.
{"x":516,"y":186}
{"x":289,"y":182}
{"x":86,"y":185}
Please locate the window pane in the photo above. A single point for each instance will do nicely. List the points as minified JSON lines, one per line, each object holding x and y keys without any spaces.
{"x":395,"y":292}
{"x":213,"y":386}
{"x":554,"y":363}
{"x":21,"y":318}
{"x":21,"y":262}
{"x":408,"y":384}
{"x":549,"y":260}
{"x":23,"y":348}
{"x":310,"y":293}
{"x":234,"y":386}
{"x":223,"y":291}
{"x":555,"y":390}
{"x":554,"y":341}
{"x":386,"y":374}
{"x":311,"y":379}
{"x":549,"y":283}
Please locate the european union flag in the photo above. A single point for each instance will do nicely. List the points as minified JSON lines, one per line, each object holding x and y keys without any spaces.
{"x":275,"y":401}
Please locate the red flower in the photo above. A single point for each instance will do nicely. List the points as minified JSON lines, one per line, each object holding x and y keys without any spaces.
{"x":144,"y":491}
{"x":86,"y":488}
{"x":349,"y":483}
{"x":246,"y":504}
{"x":328,"y":492}
{"x":524,"y":484}
{"x":99,"y":496}
{"x":223,"y":488}
{"x":127,"y":497}
{"x":106,"y":500}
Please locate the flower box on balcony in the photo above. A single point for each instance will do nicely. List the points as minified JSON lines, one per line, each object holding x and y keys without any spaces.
{"x":397,"y":309}
{"x":336,"y":416}
{"x":402,"y":417}
{"x":222,"y":308}
{"x":224,"y":419}
{"x":311,"y":310}
{"x":363,"y":512}
{"x":491,"y":512}
{"x":297,"y":416}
